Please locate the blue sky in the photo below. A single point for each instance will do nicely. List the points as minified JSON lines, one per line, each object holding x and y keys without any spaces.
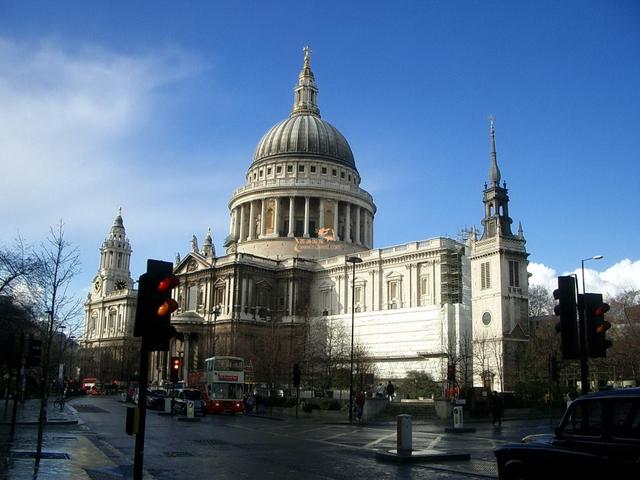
{"x":156,"y":107}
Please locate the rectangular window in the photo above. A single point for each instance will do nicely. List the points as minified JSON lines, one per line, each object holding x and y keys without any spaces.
{"x":324,"y":170}
{"x":485,"y":276}
{"x":393,"y":294}
{"x":301,"y":168}
{"x":349,"y":177}
{"x":341,"y":174}
{"x":279,"y":169}
{"x":261,"y":172}
{"x":424,"y":289}
{"x":313,"y":169}
{"x":334,"y":172}
{"x":289,"y":168}
{"x":514,"y":273}
{"x":192,"y":299}
{"x":268,"y":170}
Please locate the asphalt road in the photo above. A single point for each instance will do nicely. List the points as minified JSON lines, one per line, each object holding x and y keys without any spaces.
{"x":243,"y":446}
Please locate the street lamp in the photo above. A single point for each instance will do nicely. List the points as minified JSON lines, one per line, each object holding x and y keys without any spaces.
{"x":584,"y":366}
{"x":353,"y":261}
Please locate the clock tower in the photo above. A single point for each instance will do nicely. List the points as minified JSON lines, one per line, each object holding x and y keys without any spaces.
{"x":109,"y":311}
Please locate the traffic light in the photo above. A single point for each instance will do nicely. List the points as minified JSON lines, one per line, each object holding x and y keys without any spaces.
{"x":34,"y":352}
{"x":566,"y":310}
{"x":155,"y":305}
{"x":596,"y":325}
{"x":174,"y":374}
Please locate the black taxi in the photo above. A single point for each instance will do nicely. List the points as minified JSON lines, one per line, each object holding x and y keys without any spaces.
{"x":598,"y":437}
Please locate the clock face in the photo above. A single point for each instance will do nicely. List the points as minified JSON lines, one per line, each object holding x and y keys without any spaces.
{"x":121,"y":285}
{"x":97,"y":283}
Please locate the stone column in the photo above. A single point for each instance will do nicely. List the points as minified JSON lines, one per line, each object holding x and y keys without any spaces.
{"x":365,"y":220}
{"x":252,"y":220}
{"x":291,"y":217}
{"x":262,"y":219}
{"x":321,"y":219}
{"x":306,"y":217}
{"x":335,"y":219}
{"x":276,"y":218}
{"x":185,"y":359}
{"x":347,"y":223}
{"x":357,"y":235}
{"x":241,"y":235}
{"x":231,"y":222}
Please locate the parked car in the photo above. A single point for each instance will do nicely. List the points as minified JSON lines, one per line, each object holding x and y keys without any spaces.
{"x":155,"y":399}
{"x":181,"y":398}
{"x":598,"y":437}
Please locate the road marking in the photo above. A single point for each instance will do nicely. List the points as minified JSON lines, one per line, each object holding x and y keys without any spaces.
{"x":434,"y":442}
{"x":375,"y":442}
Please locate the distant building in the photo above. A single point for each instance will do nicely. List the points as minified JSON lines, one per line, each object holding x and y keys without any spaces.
{"x":421,"y":305}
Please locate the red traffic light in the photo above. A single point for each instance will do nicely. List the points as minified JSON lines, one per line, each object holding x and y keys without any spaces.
{"x":168,"y":282}
{"x":602,"y":309}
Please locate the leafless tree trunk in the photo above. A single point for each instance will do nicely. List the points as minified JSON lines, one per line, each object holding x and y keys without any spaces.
{"x":58,"y":263}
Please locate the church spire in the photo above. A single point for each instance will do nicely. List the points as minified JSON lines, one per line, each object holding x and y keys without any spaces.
{"x":494,"y":171}
{"x":306,"y":91}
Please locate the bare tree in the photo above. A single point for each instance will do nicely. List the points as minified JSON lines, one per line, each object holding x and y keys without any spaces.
{"x":17,"y":263}
{"x":57,"y":264}
{"x":625,"y":334}
{"x":541,"y":301}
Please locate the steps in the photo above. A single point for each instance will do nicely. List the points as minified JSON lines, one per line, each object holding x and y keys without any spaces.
{"x":418,"y":410}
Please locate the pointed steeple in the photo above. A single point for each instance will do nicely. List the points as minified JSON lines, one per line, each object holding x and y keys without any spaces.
{"x":496,"y":220}
{"x":177,"y":258}
{"x":117,"y":229}
{"x":494,"y":171}
{"x":306,"y":91}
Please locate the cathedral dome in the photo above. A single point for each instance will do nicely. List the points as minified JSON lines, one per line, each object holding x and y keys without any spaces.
{"x":305,"y":134}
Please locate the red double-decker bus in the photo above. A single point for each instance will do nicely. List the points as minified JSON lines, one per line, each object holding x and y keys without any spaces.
{"x":222,"y":384}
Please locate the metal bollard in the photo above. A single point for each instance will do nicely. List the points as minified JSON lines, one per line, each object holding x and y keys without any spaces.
{"x":404,"y":435}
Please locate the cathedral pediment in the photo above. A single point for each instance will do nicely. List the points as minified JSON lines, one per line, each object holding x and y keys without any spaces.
{"x":192,"y":262}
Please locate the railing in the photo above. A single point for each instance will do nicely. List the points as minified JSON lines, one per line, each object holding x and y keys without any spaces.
{"x":295,"y":182}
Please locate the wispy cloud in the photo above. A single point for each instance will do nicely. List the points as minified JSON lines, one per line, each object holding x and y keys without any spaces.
{"x":75,"y":142}
{"x":623,"y":276}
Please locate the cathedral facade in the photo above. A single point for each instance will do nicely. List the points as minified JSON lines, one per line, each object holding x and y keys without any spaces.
{"x":300,"y":268}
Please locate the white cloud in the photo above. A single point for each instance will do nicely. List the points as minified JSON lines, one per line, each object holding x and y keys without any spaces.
{"x":72,"y":127}
{"x":620,"y":277}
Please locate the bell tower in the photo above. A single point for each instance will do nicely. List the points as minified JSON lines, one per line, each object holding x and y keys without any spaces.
{"x":499,"y":284}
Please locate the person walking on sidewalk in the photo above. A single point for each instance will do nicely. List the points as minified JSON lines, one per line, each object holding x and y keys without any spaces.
{"x":359,"y":405}
{"x":391,"y":390}
{"x":497,"y":408}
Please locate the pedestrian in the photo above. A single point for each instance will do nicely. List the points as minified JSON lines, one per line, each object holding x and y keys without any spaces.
{"x":360,"y":399}
{"x":391,"y":390}
{"x":497,"y":408}
{"x":380,"y":392}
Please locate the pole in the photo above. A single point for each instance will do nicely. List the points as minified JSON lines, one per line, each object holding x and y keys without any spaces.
{"x":353,"y":312}
{"x":138,"y":456}
{"x":584,"y":364}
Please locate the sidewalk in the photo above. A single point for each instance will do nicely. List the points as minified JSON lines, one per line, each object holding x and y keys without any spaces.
{"x":67,"y":452}
{"x":29,"y":411}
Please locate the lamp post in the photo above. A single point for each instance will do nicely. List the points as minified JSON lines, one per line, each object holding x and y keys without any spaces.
{"x":353,"y":261}
{"x":584,"y":366}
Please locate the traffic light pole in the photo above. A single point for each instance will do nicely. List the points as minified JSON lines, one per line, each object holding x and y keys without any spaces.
{"x":138,"y":456}
{"x":584,"y":349}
